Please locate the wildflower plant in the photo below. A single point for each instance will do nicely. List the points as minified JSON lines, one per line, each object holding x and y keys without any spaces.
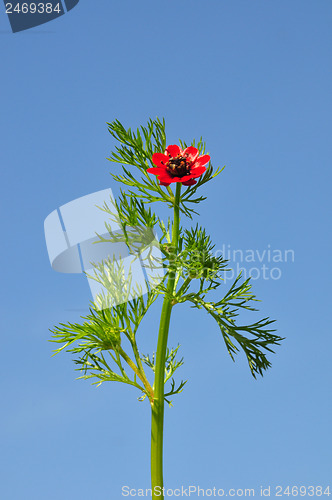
{"x":105,"y":342}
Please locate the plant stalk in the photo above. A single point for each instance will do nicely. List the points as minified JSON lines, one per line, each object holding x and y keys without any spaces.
{"x":157,"y":420}
{"x":139,"y":373}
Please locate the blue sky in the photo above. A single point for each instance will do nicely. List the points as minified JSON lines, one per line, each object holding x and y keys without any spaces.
{"x":252,"y":78}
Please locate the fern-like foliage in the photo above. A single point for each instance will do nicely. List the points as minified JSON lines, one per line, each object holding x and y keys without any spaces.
{"x":196,"y":263}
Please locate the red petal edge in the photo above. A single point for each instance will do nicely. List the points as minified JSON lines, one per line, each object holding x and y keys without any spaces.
{"x":173,"y":150}
{"x":159,"y":159}
{"x":191,"y":152}
{"x":156,"y":170}
{"x":202,"y":160}
{"x":191,"y":182}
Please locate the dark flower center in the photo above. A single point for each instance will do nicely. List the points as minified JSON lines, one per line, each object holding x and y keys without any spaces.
{"x":178,"y":167}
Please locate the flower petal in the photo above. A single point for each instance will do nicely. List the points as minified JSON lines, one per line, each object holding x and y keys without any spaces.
{"x":156,"y":170}
{"x":166,"y":178}
{"x":166,"y":181}
{"x":202,"y":160}
{"x":163,"y":183}
{"x":170,"y":179}
{"x":189,"y":183}
{"x":191,"y":153}
{"x":197,"y":171}
{"x":159,"y":159}
{"x":173,"y":150}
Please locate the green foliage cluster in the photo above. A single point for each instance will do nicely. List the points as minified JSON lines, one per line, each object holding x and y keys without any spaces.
{"x":98,"y":340}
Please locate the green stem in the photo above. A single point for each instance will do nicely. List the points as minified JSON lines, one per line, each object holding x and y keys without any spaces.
{"x":157,"y":421}
{"x":141,"y":369}
{"x":183,"y":287}
{"x":140,"y":375}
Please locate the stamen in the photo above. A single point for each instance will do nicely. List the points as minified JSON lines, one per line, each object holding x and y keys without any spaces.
{"x":178,"y":166}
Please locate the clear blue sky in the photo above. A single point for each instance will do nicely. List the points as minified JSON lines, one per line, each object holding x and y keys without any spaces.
{"x":254,"y":79}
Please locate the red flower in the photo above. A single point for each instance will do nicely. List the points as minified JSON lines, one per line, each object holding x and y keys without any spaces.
{"x":178,"y":166}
